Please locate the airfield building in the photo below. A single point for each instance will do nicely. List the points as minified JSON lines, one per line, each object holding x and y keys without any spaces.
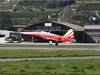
{"x":59,"y":28}
{"x":92,"y":33}
{"x":86,"y":34}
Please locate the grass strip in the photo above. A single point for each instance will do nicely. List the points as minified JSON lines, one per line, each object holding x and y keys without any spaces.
{"x":46,"y":53}
{"x":69,"y":67}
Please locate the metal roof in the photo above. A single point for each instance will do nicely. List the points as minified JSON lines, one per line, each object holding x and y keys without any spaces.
{"x":92,"y":27}
{"x":73,"y":26}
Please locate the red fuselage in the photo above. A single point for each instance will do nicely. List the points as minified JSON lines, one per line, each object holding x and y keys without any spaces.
{"x":50,"y":36}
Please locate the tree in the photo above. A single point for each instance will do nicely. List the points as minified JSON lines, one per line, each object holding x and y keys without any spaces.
{"x":5,"y":21}
{"x":1,"y":0}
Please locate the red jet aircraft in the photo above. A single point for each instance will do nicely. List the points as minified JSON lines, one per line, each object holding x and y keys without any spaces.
{"x":68,"y":37}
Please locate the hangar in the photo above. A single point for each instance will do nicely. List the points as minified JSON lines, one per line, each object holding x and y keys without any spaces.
{"x":59,"y":28}
{"x":92,"y":33}
{"x":86,"y":34}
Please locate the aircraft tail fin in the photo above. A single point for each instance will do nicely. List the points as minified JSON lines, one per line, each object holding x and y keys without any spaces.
{"x":70,"y":34}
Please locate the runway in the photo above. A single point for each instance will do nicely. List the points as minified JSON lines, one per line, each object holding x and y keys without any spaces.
{"x":49,"y":58}
{"x":45,"y":46}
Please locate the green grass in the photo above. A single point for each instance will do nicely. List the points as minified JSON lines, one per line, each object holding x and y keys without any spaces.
{"x":21,"y":20}
{"x":46,"y":53}
{"x":69,"y":67}
{"x":6,"y":7}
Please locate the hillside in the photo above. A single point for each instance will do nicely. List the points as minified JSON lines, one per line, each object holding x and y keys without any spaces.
{"x":23,"y":12}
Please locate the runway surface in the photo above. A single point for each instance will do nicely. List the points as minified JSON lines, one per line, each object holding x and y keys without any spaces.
{"x":49,"y":58}
{"x":44,"y":48}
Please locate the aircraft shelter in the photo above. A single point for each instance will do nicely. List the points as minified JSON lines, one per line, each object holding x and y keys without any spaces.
{"x":92,"y":33}
{"x":86,"y":34}
{"x":59,"y":28}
